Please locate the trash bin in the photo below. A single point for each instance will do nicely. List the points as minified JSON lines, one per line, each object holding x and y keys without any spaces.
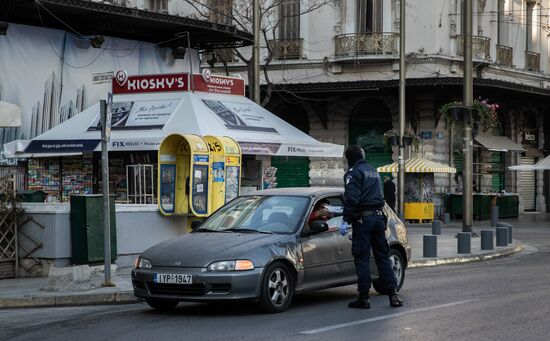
{"x":87,"y":228}
{"x":31,"y":196}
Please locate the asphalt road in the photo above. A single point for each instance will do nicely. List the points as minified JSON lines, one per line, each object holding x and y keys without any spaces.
{"x":505,"y":299}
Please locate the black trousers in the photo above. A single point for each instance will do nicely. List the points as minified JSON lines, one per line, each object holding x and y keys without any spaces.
{"x":366,"y":235}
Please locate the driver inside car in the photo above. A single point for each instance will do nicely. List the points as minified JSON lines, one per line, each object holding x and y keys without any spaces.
{"x":320,"y":212}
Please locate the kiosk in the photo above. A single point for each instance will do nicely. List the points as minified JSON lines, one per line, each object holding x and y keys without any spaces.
{"x":225,"y":167}
{"x":184,"y":176}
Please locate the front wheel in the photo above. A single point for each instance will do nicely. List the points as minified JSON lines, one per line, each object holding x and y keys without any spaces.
{"x":398,"y":267}
{"x":162,"y":304}
{"x":277,"y":288}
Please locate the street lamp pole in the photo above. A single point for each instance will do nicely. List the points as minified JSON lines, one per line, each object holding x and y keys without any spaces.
{"x":187,"y":35}
{"x":467,"y":101}
{"x":402,"y":79}
{"x":256,"y":55}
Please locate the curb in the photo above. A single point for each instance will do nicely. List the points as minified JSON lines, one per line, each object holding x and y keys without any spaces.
{"x":467,"y":259}
{"x":121,"y":297}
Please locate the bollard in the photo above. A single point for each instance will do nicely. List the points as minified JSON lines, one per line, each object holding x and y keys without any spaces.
{"x":494,"y":216}
{"x":430,"y":245}
{"x":436,"y":227}
{"x":486,"y":239}
{"x":510,"y":234}
{"x":446,"y":218}
{"x":464,"y":242}
{"x":502,"y":236}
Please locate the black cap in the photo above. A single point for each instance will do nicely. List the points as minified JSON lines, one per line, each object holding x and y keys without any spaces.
{"x":354,"y":154}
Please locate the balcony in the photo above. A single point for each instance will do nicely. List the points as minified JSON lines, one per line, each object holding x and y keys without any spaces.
{"x":505,"y":55}
{"x":532,"y":61}
{"x":287,"y":48}
{"x":481,"y":47}
{"x":365,"y":44}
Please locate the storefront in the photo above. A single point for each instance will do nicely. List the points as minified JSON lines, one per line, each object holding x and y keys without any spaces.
{"x":66,"y":160}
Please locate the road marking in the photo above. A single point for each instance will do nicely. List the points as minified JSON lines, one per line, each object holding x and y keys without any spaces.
{"x":383,"y":317}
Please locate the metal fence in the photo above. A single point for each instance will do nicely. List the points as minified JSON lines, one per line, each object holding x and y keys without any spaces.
{"x":8,"y":228}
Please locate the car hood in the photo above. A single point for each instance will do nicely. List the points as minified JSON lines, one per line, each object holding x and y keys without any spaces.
{"x":201,"y":248}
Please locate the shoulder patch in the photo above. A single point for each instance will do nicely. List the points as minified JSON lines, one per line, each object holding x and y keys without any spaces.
{"x":348,"y":179}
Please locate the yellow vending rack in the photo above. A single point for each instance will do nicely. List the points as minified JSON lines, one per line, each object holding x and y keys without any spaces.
{"x":184,"y":176}
{"x":225,"y":167}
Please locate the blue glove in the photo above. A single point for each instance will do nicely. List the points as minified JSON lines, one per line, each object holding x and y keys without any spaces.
{"x":344,"y":228}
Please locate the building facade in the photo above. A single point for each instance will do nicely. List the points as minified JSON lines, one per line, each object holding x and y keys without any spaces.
{"x":333,"y":70}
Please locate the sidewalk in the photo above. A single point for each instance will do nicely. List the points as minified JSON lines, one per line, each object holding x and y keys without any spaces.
{"x":26,"y":292}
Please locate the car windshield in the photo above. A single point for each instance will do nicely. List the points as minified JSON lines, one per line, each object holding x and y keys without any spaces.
{"x":258,"y":214}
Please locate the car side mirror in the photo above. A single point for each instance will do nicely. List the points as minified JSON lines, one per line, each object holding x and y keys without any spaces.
{"x":318,"y":227}
{"x":195,"y":224}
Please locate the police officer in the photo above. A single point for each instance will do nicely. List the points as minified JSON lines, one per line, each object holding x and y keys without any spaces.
{"x":363,"y":210}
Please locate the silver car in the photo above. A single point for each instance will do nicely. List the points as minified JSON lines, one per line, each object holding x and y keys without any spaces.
{"x":261,"y":247}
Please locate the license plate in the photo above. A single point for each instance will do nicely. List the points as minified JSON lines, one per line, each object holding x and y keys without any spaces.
{"x":173,"y":278}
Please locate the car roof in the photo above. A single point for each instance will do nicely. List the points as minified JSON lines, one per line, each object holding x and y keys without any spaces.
{"x":299,"y":191}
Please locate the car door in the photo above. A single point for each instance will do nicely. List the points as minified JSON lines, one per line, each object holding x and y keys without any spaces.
{"x":319,"y":256}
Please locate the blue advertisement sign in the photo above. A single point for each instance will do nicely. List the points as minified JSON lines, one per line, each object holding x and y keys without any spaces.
{"x":200,"y":158}
{"x":218,"y":171}
{"x":168,"y":187}
{"x":426,"y":135}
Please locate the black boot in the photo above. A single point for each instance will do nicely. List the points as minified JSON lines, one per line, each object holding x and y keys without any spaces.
{"x":362,"y":302}
{"x":395,"y":300}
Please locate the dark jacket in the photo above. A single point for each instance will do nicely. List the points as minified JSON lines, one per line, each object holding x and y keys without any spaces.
{"x":389,"y":192}
{"x":363,"y":190}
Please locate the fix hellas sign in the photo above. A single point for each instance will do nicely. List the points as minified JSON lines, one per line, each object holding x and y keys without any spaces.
{"x":124,"y":84}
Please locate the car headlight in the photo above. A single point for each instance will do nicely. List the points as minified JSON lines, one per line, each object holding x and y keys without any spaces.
{"x":142,"y":263}
{"x":231,"y":265}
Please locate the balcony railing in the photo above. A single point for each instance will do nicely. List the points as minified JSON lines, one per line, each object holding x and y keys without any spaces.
{"x":481,"y":47}
{"x":287,"y":48}
{"x":532,"y":61}
{"x":365,"y":44}
{"x":505,"y":55}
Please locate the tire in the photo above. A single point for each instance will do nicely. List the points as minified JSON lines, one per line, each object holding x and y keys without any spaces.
{"x":162,"y":304}
{"x":277,"y":288}
{"x":398,"y":269}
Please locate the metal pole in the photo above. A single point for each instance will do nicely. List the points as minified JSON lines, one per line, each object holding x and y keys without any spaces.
{"x":256,"y":28}
{"x":105,"y":177}
{"x":467,"y":101}
{"x":190,"y":62}
{"x":15,"y":232}
{"x":402,"y":79}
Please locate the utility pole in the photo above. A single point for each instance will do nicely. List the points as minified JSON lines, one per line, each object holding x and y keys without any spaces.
{"x":402,"y":79}
{"x":105,"y":116}
{"x":256,"y":55}
{"x":468,"y":94}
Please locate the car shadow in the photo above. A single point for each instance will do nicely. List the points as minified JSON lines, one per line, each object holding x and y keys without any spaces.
{"x":221,"y":309}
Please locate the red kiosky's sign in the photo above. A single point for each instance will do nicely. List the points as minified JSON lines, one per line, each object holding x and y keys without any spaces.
{"x":122,"y":84}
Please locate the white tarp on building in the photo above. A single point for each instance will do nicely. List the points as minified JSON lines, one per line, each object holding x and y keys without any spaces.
{"x":10,"y":115}
{"x":140,"y":122}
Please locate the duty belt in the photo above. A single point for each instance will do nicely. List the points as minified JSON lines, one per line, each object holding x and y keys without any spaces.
{"x":367,"y":213}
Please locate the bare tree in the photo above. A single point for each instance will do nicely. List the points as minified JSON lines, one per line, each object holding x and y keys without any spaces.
{"x":273,"y":16}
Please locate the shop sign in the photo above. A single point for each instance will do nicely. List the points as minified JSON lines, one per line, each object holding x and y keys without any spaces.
{"x":124,"y":84}
{"x":239,"y":116}
{"x":426,"y":135}
{"x":207,"y":82}
{"x":61,"y":146}
{"x":530,"y":136}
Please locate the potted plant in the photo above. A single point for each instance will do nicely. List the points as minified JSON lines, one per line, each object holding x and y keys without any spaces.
{"x":408,"y":137}
{"x":454,"y":111}
{"x":481,"y":111}
{"x":391,"y":137}
{"x":486,"y":113}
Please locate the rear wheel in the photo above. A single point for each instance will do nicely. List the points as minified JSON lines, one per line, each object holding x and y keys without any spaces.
{"x":162,"y":304}
{"x":398,"y":267}
{"x":277,"y":288}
